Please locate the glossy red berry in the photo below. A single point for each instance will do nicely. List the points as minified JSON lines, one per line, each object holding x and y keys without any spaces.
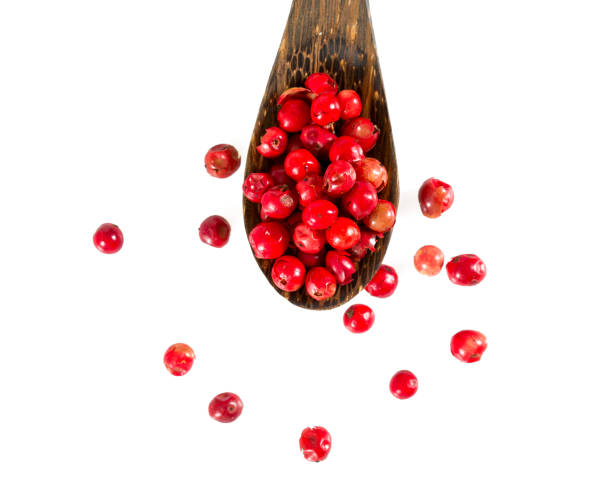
{"x":300,"y":93}
{"x":404,"y":384}
{"x":301,"y":163}
{"x":361,"y":200}
{"x":311,"y":260}
{"x":294,"y":143}
{"x":366,"y":243}
{"x":383,"y":283}
{"x":325,"y":109}
{"x":317,"y":139}
{"x":108,"y":238}
{"x":225,"y":407}
{"x":346,"y":148}
{"x":277,"y":172}
{"x":363,"y":130}
{"x":309,"y":189}
{"x":178,"y":359}
{"x":466,"y":269}
{"x":269,"y":240}
{"x":429,"y":260}
{"x":308,"y":239}
{"x":382,"y":217}
{"x":222,"y":160}
{"x":320,"y":214}
{"x":350,"y":104}
{"x":215,"y":231}
{"x":279,"y":202}
{"x":358,"y":318}
{"x":321,"y":83}
{"x":468,"y":345}
{"x":255,"y":185}
{"x":435,"y":197}
{"x":288,"y":273}
{"x":273,"y":143}
{"x":371,"y":170}
{"x":339,"y":178}
{"x":320,"y":283}
{"x":343,"y":234}
{"x":341,"y":265}
{"x":293,"y":115}
{"x":315,"y":443}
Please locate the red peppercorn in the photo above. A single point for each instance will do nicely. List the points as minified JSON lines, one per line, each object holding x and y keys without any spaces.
{"x":320,"y":214}
{"x":300,"y":93}
{"x":178,"y":359}
{"x":321,"y":83}
{"x":371,"y":170}
{"x":346,"y":148}
{"x":269,"y":240}
{"x":325,"y":109}
{"x":215,"y":231}
{"x":404,"y":384}
{"x":279,"y":202}
{"x":273,"y":143}
{"x":435,"y":197}
{"x":311,"y":260}
{"x":277,"y":172}
{"x":429,"y":260}
{"x":350,"y":104}
{"x":466,"y":269}
{"x":288,"y":273}
{"x":358,"y":318}
{"x":222,"y":160}
{"x":339,"y":178}
{"x":468,"y":345}
{"x":255,"y":185}
{"x":301,"y":163}
{"x":341,"y":266}
{"x":307,"y":239}
{"x":320,"y":283}
{"x":382,"y":217}
{"x":309,"y":189}
{"x":384,"y":282}
{"x":363,"y":130}
{"x":108,"y":238}
{"x":366,"y":243}
{"x":225,"y":407}
{"x":361,"y":200}
{"x":315,"y":443}
{"x":293,"y":115}
{"x":317,"y":139}
{"x":343,"y":234}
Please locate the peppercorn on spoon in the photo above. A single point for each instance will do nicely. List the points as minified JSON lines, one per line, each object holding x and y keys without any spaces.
{"x":335,"y":37}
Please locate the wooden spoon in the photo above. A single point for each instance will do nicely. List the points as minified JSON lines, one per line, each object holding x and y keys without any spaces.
{"x":335,"y":37}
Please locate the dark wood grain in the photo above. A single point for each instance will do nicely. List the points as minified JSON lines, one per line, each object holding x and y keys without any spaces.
{"x":336,"y":37}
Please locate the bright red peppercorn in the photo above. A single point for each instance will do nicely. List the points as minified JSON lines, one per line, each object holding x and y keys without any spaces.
{"x":320,"y":214}
{"x":269,"y":240}
{"x":341,"y":266}
{"x":279,"y":202}
{"x":320,"y":283}
{"x":222,"y":160}
{"x":300,"y":93}
{"x":350,"y":104}
{"x":255,"y":185}
{"x":358,"y":318}
{"x":309,"y":189}
{"x":308,"y":239}
{"x":435,"y":197}
{"x":371,"y":170}
{"x":317,"y":139}
{"x":343,"y":234}
{"x":301,"y":163}
{"x":366,"y":243}
{"x":468,"y":345}
{"x":429,"y":260}
{"x":346,"y":148}
{"x":293,"y":115}
{"x":225,"y":407}
{"x":288,"y":273}
{"x":311,"y":260}
{"x":215,"y":231}
{"x":383,"y":283}
{"x":178,"y":359}
{"x":321,"y":83}
{"x":363,"y":130}
{"x":108,"y":238}
{"x":339,"y":178}
{"x":404,"y":384}
{"x":325,"y":109}
{"x":277,"y":172}
{"x":315,"y":443}
{"x":466,"y":269}
{"x":382,"y":218}
{"x":273,"y":143}
{"x":361,"y":200}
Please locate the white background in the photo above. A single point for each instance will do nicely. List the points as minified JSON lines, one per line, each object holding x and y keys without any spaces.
{"x":106,"y":111}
